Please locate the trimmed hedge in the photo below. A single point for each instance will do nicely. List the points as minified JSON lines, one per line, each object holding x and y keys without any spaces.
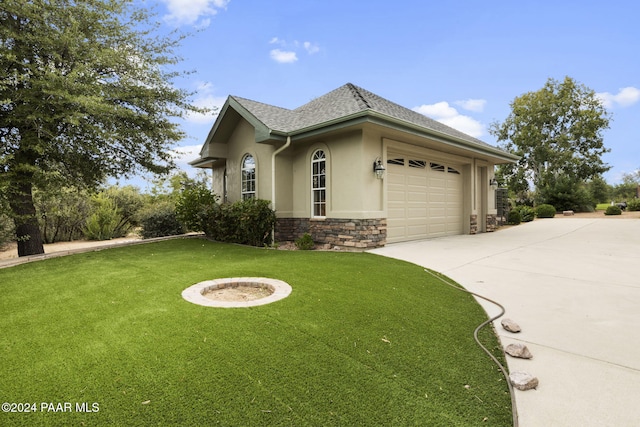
{"x":248,"y":222}
{"x":514,"y":218}
{"x":545,"y":211}
{"x":613,"y":210}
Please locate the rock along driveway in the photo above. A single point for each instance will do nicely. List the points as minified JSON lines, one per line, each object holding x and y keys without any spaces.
{"x":573,"y":286}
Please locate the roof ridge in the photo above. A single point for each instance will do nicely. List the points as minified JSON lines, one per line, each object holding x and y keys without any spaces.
{"x":360,"y":98}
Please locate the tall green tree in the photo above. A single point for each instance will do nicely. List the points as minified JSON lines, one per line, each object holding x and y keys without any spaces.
{"x":86,"y":90}
{"x":558,"y":133}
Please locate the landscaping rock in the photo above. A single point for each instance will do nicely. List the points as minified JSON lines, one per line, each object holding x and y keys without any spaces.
{"x":523,"y":380}
{"x":567,"y":213}
{"x":518,"y":350}
{"x":510,"y":325}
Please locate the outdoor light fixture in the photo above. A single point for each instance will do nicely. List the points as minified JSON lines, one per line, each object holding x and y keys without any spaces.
{"x":493,"y":182}
{"x":378,"y":168}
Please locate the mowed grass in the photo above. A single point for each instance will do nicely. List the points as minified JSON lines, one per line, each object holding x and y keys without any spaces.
{"x":361,"y":341}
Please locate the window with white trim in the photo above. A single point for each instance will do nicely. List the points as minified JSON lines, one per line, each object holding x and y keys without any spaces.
{"x":248,"y":177}
{"x":319,"y":184}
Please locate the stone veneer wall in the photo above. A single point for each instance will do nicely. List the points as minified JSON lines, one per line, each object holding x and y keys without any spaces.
{"x":473,"y":221}
{"x":492,"y":222}
{"x":348,"y":233}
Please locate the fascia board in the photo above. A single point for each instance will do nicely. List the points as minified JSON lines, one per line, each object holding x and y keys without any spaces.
{"x":442,"y":137}
{"x":262,"y":132}
{"x":374,"y":117}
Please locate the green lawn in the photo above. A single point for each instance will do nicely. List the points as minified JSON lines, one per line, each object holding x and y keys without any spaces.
{"x":361,"y":341}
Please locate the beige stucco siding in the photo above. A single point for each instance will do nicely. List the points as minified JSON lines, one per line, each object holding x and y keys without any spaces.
{"x":352,"y":189}
{"x":241,"y":142}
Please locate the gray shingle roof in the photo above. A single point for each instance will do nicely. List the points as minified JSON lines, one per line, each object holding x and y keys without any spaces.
{"x":340,"y":103}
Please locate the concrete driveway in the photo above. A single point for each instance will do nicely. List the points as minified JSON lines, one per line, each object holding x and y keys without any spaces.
{"x":573,"y":285}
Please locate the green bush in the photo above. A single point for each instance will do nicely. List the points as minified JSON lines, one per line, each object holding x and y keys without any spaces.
{"x":613,"y":210}
{"x":545,"y":211}
{"x":63,"y":212}
{"x":160,"y":220}
{"x":305,"y":243}
{"x":6,"y":230}
{"x":566,"y":195}
{"x":527,"y":213}
{"x":192,"y":206}
{"x":633,"y":204}
{"x":514,"y":217}
{"x":129,"y":203}
{"x":103,"y":222}
{"x":247,"y":222}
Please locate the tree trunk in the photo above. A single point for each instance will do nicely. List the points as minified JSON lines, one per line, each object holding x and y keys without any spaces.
{"x":25,"y":220}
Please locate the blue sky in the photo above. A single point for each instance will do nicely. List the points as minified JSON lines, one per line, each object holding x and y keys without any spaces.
{"x":459,"y":62}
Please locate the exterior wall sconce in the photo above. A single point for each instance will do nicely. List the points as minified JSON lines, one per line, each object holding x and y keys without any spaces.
{"x":378,"y":168}
{"x":493,"y":182}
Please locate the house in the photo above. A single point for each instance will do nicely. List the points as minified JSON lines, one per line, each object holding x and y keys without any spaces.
{"x":353,"y":169}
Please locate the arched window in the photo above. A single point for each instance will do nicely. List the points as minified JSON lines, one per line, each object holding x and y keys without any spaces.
{"x":248,"y":177}
{"x":319,"y":184}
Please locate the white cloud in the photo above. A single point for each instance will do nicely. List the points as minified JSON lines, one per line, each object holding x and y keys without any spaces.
{"x":448,"y":115}
{"x":185,"y":154}
{"x":438,"y":110}
{"x":283,"y":56}
{"x":626,"y":97}
{"x":476,"y":105}
{"x":205,"y":98}
{"x":289,"y":50}
{"x":311,"y":48}
{"x":192,"y":12}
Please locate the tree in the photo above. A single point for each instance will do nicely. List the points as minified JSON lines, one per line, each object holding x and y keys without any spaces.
{"x":557,"y":132}
{"x":85,"y":90}
{"x":628,"y":189}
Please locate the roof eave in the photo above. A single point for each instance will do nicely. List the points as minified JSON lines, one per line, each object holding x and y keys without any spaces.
{"x":446,"y":138}
{"x":372,"y":116}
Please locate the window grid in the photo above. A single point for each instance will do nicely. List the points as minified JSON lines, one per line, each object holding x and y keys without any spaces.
{"x":248,"y":177}
{"x":319,"y":184}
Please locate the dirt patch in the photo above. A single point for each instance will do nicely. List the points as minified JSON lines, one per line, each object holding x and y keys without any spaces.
{"x":11,"y":250}
{"x":238,"y":293}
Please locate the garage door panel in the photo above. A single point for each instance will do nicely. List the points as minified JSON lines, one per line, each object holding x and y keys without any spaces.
{"x":422,"y":202}
{"x":416,"y":196}
{"x":420,"y":181}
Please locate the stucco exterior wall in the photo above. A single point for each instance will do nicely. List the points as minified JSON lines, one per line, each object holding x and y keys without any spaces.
{"x":352,"y":189}
{"x":242,"y":142}
{"x":353,"y":192}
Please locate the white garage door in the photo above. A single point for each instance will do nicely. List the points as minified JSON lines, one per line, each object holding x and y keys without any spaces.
{"x":424,"y":199}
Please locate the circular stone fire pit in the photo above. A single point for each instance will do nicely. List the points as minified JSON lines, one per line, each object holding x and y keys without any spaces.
{"x":237,"y":292}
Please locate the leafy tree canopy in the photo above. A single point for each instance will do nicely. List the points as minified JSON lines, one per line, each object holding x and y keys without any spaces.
{"x":85,"y":90}
{"x":557,"y":132}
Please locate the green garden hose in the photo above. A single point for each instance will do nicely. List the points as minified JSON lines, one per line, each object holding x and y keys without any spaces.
{"x":514,"y":410}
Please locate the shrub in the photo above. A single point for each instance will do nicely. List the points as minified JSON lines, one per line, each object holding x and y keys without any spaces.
{"x":192,"y":206}
{"x":305,"y":242}
{"x":248,"y":222}
{"x":103,"y":222}
{"x":613,"y":210}
{"x":545,"y":211}
{"x":129,"y":203}
{"x":6,"y":230}
{"x":63,"y":212}
{"x":527,"y":213}
{"x":514,"y":217}
{"x":566,"y":195}
{"x":633,"y":204}
{"x":160,"y":220}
